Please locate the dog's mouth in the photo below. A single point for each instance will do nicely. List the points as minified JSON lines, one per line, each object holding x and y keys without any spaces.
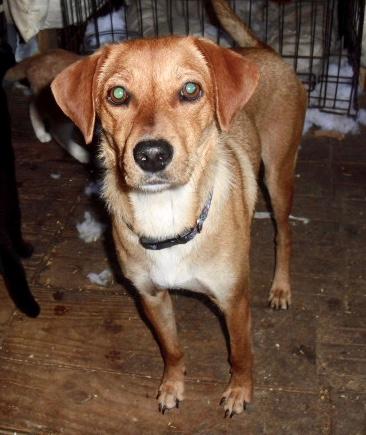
{"x":155,"y":183}
{"x":157,"y":187}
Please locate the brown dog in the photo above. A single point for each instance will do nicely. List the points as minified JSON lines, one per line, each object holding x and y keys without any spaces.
{"x":40,"y":70}
{"x":185,"y":125}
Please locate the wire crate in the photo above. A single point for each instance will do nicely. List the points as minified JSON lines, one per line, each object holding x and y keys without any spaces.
{"x":320,"y":38}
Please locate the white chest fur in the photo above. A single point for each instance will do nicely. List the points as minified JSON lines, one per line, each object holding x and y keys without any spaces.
{"x":172,"y":268}
{"x":163,"y":214}
{"x":181,"y":268}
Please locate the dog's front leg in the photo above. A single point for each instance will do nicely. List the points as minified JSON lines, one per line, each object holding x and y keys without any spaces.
{"x":159,"y":310}
{"x":238,"y":321}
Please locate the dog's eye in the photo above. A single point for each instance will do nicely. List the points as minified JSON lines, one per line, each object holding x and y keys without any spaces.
{"x":118,"y":95}
{"x":190,"y":91}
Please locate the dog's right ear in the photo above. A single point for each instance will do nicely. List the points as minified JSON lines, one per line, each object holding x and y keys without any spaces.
{"x":73,"y":90}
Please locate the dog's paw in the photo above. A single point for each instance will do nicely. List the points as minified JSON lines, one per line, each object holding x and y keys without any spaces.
{"x":43,"y":136}
{"x":279,"y":298}
{"x":235,"y":399}
{"x":171,"y":393}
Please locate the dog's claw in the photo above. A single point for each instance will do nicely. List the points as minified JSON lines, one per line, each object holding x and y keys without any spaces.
{"x":171,"y":393}
{"x":162,"y":408}
{"x":279,"y":299}
{"x":235,"y":398}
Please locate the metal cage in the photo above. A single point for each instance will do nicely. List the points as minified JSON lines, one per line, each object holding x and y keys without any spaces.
{"x":320,"y":38}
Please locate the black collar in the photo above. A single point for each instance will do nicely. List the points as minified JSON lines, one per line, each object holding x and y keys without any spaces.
{"x":182,"y":238}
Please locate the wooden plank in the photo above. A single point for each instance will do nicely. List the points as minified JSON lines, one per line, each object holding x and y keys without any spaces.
{"x":348,"y":413}
{"x":6,"y":309}
{"x":50,"y":400}
{"x":103,"y":330}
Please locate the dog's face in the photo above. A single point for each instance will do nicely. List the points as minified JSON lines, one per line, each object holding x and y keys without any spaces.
{"x":155,"y":104}
{"x":160,"y":102}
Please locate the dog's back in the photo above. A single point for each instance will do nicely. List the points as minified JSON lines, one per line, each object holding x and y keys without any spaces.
{"x":41,"y":69}
{"x":278,"y":89}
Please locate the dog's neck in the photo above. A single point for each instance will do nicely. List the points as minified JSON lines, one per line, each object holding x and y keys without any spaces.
{"x":165,"y":214}
{"x":182,"y":238}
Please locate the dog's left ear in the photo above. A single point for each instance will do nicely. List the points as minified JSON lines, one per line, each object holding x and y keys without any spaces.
{"x":73,"y":90}
{"x":235,"y":79}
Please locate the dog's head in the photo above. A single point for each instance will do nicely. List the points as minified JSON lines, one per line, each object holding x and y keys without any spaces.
{"x":161,"y":103}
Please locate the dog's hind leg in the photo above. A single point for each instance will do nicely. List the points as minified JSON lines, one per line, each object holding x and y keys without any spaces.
{"x":280,"y":184}
{"x":159,"y":310}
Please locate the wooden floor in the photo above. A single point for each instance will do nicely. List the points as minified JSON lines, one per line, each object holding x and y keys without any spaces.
{"x":89,"y":364}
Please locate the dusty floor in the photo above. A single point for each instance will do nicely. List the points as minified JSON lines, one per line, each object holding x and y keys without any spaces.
{"x":89,"y":365}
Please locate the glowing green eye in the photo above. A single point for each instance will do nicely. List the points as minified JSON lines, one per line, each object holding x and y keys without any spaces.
{"x":191,"y":88}
{"x":190,"y":91}
{"x":118,"y":95}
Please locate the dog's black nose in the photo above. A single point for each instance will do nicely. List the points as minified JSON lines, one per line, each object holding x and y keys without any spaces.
{"x":153,"y":155}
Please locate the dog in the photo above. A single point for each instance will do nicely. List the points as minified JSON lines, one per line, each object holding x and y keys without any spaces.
{"x":12,"y":244}
{"x":185,"y":124}
{"x":45,"y":115}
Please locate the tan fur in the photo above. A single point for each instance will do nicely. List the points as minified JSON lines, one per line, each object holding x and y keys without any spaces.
{"x":41,"y":69}
{"x":234,"y":26}
{"x":252,"y":107}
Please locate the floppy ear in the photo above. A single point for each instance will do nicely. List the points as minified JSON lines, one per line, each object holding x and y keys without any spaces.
{"x":73,"y":90}
{"x":235,"y":79}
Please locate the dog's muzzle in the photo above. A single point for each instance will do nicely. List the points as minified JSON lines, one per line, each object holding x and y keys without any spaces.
{"x":153,"y":155}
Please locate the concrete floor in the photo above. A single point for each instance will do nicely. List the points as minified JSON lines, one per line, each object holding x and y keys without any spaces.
{"x":89,"y":365}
